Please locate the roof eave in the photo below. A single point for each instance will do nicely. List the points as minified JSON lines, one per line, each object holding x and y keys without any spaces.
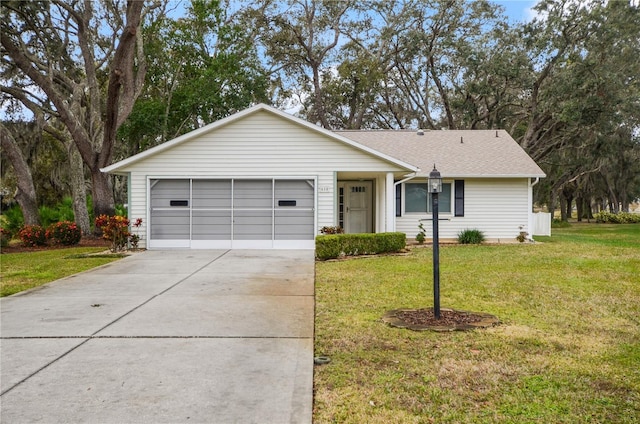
{"x":444,"y":175}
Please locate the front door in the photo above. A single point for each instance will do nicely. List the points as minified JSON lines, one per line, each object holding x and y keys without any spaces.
{"x":358,"y":207}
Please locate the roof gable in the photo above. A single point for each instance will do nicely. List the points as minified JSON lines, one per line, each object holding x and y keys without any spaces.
{"x":198,"y":133}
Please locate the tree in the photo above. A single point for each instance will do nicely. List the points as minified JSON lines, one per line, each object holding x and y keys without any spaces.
{"x":300,"y":39}
{"x":581,"y":109}
{"x":26,"y":193}
{"x":437,"y":42}
{"x":201,"y":67}
{"x":359,"y":88}
{"x":83,"y":63}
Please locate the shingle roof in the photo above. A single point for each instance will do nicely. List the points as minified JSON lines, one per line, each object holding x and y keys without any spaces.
{"x":455,"y":153}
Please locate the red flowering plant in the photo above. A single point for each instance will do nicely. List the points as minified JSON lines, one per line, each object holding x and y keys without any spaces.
{"x":135,"y":238}
{"x":64,"y":232}
{"x":32,"y":235}
{"x":115,"y":229}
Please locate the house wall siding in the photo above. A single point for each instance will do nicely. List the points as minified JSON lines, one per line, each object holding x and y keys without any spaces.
{"x":260,"y":145}
{"x":497,"y":207}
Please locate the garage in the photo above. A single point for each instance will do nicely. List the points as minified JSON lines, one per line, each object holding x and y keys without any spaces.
{"x":257,"y":179}
{"x":203,"y":213}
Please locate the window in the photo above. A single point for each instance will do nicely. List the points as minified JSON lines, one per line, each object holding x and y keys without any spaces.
{"x":418,"y":199}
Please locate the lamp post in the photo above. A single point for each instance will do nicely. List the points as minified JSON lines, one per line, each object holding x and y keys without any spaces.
{"x":435,"y":187}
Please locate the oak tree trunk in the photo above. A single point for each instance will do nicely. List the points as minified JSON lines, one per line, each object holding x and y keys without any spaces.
{"x":26,"y":192}
{"x":103,"y":203}
{"x":78,"y":190}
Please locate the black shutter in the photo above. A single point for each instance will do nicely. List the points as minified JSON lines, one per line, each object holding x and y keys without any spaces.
{"x":399,"y":200}
{"x":459,"y":198}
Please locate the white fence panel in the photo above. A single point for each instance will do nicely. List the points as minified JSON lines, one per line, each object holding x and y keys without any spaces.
{"x":541,"y":224}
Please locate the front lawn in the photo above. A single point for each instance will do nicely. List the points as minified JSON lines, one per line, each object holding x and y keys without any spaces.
{"x":567,"y":351}
{"x":25,"y":270}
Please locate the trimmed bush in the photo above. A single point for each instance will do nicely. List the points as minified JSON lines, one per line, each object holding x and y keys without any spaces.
{"x":66,"y":233}
{"x":617,"y":218}
{"x":470,"y":236}
{"x":336,"y":245}
{"x":328,"y":246}
{"x":33,"y":235}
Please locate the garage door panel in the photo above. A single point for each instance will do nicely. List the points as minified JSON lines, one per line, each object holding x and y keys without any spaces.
{"x":164,"y":191}
{"x":211,"y":194}
{"x":252,"y":225}
{"x":252,"y":194}
{"x":170,"y":224}
{"x":300,"y":191}
{"x":294,"y":225}
{"x":211,"y":225}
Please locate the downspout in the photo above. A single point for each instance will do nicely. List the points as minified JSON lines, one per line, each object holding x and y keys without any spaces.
{"x":530,"y":238}
{"x":391,"y":226}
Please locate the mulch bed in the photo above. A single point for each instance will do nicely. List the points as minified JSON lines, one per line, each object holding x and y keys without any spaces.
{"x":450,"y":319}
{"x":84,"y":242}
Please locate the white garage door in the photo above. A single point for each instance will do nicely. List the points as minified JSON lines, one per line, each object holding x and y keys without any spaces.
{"x":232,"y":213}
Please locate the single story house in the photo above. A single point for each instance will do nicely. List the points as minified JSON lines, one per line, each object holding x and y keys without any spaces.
{"x":262,"y":178}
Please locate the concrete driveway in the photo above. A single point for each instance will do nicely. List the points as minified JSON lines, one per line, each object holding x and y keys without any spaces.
{"x":164,"y":337}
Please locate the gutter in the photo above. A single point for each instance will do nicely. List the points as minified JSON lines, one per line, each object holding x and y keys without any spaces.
{"x":410,"y":177}
{"x":530,"y":238}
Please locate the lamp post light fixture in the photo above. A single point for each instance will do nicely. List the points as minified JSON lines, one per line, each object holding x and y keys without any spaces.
{"x":435,"y":187}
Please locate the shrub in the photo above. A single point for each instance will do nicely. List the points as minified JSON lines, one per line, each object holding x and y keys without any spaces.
{"x":32,"y":235}
{"x":471,"y":236}
{"x":617,"y":218}
{"x":13,"y":219}
{"x":62,"y":211}
{"x":5,"y":237}
{"x":121,"y":210}
{"x":422,"y":234}
{"x":522,"y":235}
{"x":66,"y":233}
{"x":115,"y":229}
{"x":335,"y":245}
{"x":558,"y":223}
{"x":328,"y":247}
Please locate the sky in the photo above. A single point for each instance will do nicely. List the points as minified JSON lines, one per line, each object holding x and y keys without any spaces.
{"x":518,"y":10}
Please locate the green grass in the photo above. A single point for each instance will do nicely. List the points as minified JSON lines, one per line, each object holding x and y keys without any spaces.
{"x":22,"y":271}
{"x":567,"y":350}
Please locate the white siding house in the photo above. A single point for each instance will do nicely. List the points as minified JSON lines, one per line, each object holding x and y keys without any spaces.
{"x":264,"y":179}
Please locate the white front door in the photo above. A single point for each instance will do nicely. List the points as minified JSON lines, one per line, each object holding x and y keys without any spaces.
{"x":358,"y":207}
